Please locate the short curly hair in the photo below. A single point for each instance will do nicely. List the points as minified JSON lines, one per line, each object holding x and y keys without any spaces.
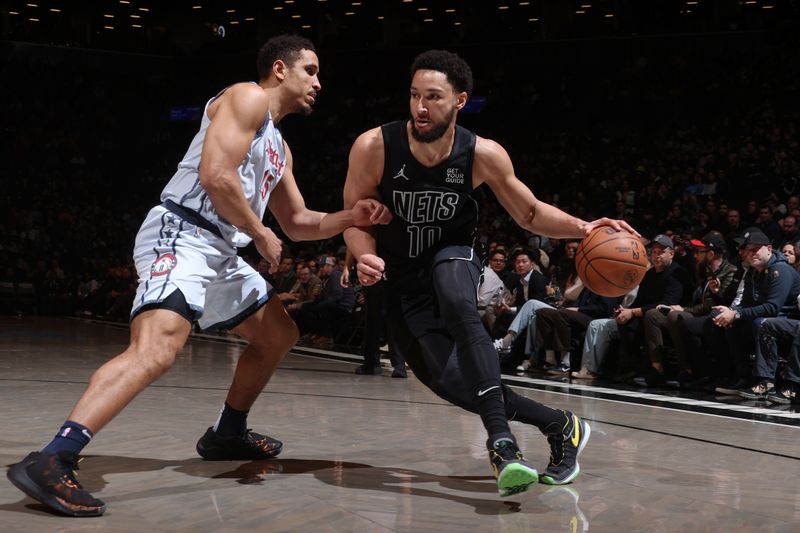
{"x":284,"y":47}
{"x":450,"y":64}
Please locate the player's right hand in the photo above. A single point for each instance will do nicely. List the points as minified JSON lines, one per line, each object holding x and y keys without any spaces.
{"x":370,"y":269}
{"x":269,"y":246}
{"x":619,"y":225}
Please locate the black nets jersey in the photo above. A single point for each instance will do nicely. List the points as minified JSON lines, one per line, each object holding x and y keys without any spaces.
{"x":433,"y":207}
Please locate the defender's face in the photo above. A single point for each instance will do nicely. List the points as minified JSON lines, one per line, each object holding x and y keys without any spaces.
{"x":433,"y":103}
{"x":302,"y":79}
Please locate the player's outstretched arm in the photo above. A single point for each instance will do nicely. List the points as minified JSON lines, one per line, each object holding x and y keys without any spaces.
{"x":365,"y":168}
{"x":302,"y":224}
{"x":493,"y":166}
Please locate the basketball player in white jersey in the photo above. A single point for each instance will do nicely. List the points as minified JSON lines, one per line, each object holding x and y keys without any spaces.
{"x":185,"y":254}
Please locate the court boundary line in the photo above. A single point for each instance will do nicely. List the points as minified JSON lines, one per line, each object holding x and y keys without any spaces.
{"x":434,"y":404}
{"x":649,"y":399}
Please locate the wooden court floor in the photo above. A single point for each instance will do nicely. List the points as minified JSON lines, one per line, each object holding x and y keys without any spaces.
{"x":372,"y":453}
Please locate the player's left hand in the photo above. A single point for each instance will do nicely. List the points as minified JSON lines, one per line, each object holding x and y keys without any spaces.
{"x":370,"y":269}
{"x":369,"y":212}
{"x":619,"y":225}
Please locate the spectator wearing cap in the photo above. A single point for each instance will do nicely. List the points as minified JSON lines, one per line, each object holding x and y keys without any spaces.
{"x":771,"y":288}
{"x":661,"y":285}
{"x":684,"y":326}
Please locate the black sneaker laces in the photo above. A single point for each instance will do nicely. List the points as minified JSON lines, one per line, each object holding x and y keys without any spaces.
{"x":69,"y":471}
{"x":556,"y":442}
{"x":507,"y":450}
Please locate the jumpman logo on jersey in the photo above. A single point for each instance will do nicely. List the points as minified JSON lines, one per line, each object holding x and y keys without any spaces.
{"x":401,"y":174}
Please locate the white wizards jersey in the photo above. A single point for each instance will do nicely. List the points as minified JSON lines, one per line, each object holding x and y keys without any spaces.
{"x":259,"y":173}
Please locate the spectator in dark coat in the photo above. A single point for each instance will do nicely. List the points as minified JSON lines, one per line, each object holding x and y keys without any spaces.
{"x":770,"y":289}
{"x":661,"y":285}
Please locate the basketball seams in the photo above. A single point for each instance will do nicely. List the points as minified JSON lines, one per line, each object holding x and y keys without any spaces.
{"x":596,"y":271}
{"x":611,"y":239}
{"x":624,"y":261}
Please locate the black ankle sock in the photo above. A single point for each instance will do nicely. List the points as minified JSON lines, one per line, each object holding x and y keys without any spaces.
{"x":231,"y":422}
{"x":527,"y":411}
{"x":493,"y":413}
{"x":71,"y":438}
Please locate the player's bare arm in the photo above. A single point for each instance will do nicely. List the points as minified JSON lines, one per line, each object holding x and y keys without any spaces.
{"x":493,"y":166}
{"x":235,"y":118}
{"x":302,"y":224}
{"x":365,"y":168}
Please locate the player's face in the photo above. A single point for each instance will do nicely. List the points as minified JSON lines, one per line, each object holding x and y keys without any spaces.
{"x":302,"y":78}
{"x":434,"y":104}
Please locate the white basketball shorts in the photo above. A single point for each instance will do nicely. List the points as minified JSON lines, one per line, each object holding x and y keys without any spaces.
{"x":173,"y":254}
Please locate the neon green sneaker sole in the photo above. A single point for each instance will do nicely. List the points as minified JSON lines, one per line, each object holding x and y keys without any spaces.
{"x":516,"y":478}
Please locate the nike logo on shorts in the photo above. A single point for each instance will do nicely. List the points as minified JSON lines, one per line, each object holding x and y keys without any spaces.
{"x":484,"y":391}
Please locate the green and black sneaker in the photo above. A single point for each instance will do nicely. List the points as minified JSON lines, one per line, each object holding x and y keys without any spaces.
{"x":566,"y":444}
{"x":514,"y":474}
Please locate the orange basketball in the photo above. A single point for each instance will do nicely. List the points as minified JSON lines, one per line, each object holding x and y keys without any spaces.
{"x":610,"y":262}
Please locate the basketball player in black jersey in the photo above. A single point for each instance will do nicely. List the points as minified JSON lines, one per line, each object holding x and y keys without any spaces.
{"x":425,"y":169}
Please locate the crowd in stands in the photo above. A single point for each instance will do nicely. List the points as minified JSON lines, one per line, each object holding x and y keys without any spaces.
{"x":700,"y":156}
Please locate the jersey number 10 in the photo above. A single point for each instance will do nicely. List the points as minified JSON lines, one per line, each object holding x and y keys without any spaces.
{"x":421,"y":238}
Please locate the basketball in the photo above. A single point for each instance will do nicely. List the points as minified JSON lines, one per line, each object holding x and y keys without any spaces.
{"x":610,"y":262}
